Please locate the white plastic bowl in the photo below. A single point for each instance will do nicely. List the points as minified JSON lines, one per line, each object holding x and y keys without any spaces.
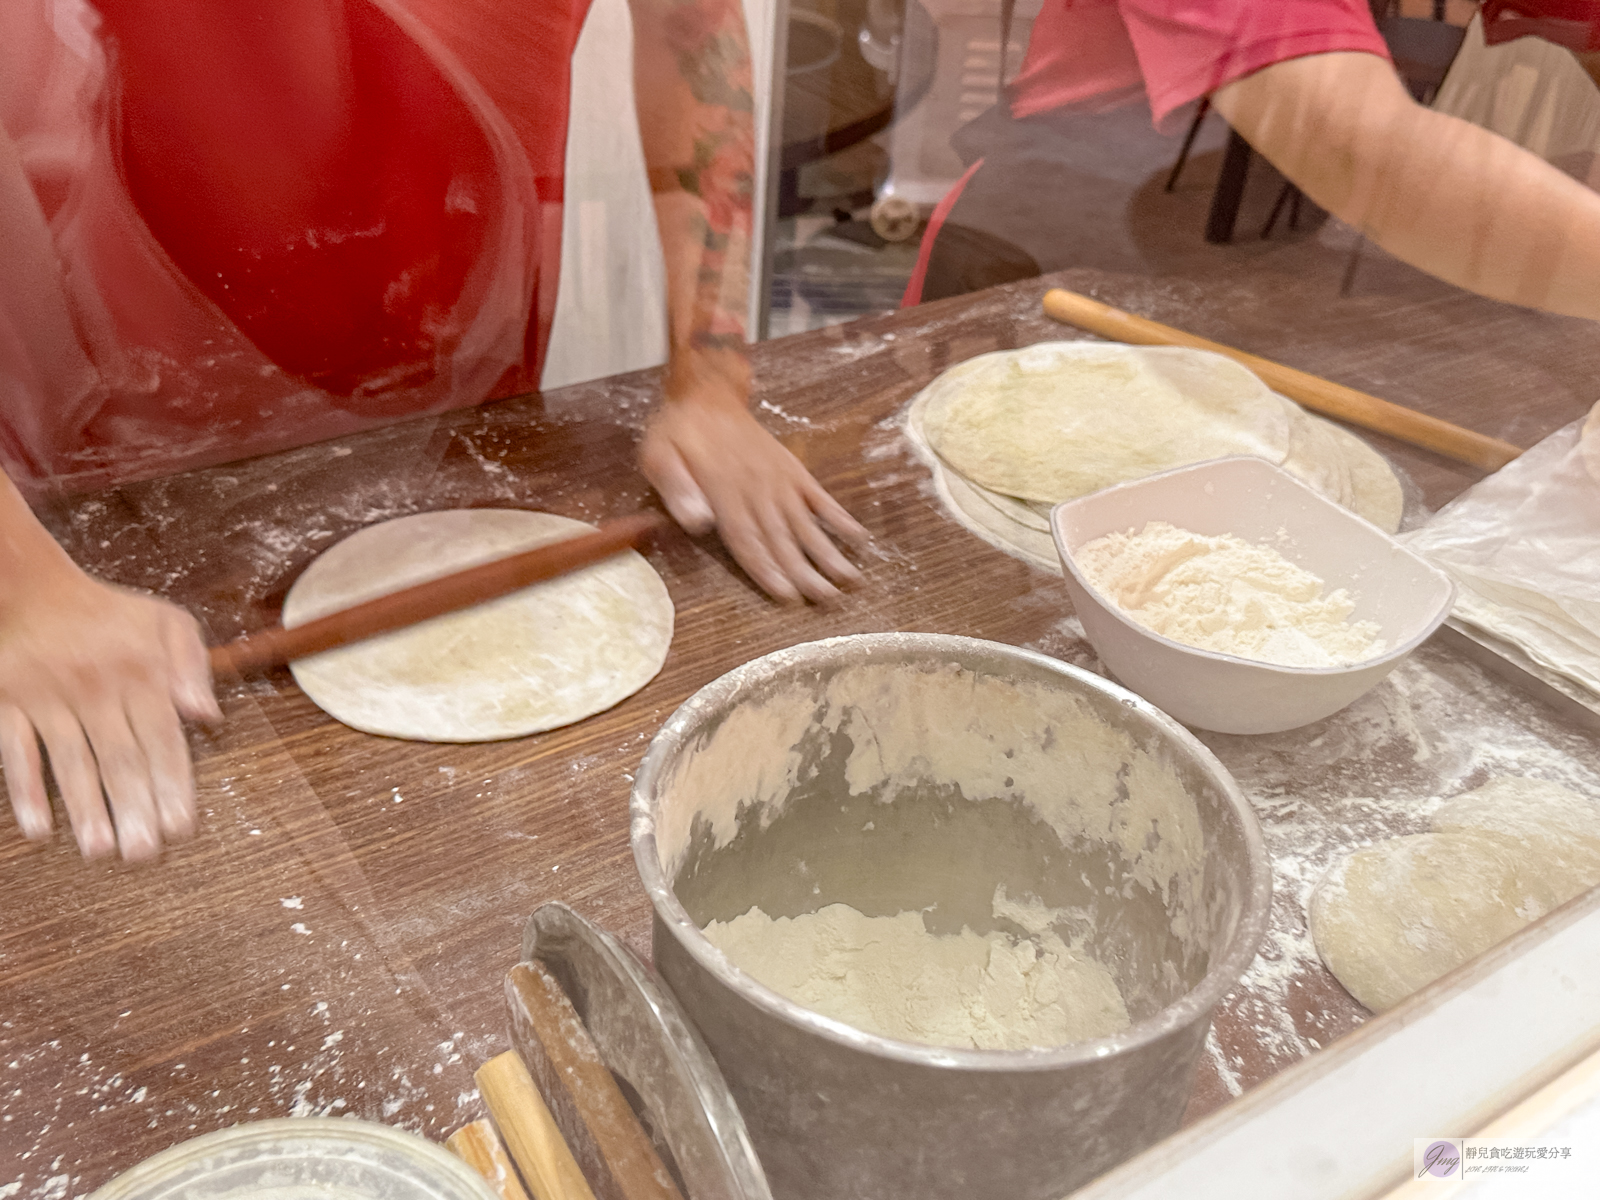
{"x":1249,"y":497}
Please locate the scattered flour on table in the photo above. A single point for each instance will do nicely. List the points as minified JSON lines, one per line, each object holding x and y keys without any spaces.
{"x":1434,"y":728}
{"x":890,"y":976}
{"x":1228,"y":595}
{"x":1396,"y":915}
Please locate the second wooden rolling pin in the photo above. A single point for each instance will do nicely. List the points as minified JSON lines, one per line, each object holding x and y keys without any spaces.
{"x":594,"y":1117}
{"x":486,"y":581}
{"x":1312,"y":391}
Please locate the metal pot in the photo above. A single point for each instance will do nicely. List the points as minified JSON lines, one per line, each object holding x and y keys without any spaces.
{"x":756,"y":792}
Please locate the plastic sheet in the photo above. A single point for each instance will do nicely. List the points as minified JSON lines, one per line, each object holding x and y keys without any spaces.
{"x":1524,"y":546}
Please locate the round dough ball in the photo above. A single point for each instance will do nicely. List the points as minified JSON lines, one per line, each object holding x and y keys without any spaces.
{"x":1061,"y":419}
{"x":539,"y":658}
{"x":1553,"y":832}
{"x":1397,"y":915}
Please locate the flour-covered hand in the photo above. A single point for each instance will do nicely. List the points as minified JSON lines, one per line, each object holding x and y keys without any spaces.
{"x":102,"y":677}
{"x":716,"y":466}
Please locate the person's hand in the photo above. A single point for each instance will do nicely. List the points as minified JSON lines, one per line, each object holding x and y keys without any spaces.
{"x":102,"y":676}
{"x":715,"y":466}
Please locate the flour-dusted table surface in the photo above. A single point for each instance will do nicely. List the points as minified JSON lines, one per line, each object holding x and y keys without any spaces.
{"x":334,"y":938}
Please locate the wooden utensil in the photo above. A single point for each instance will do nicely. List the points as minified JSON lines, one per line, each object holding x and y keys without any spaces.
{"x":647,"y":1042}
{"x":529,"y":1130}
{"x":1320,"y":395}
{"x":462,"y":589}
{"x":599,"y":1123}
{"x":480,"y":1147}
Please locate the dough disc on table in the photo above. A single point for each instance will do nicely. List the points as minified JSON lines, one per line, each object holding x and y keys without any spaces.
{"x":976,"y":509}
{"x":1375,"y":491}
{"x":1399,"y":914}
{"x":1554,"y":833}
{"x":1343,"y":468}
{"x":1012,"y":433}
{"x":543,"y":657}
{"x":1062,"y":419}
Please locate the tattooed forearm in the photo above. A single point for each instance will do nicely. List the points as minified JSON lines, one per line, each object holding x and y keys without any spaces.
{"x":712,"y":59}
{"x":705,"y":340}
{"x":697,"y":116}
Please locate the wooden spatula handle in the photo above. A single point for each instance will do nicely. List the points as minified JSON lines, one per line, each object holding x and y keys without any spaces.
{"x":1312,"y":391}
{"x":276,"y":646}
{"x":480,"y":1147}
{"x":530,"y":1131}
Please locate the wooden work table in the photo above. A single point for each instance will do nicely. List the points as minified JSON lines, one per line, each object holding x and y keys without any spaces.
{"x":333,"y":940}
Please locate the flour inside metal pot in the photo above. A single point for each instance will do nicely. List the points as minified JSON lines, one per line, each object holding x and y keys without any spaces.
{"x":893,"y":977}
{"x":1020,"y":741}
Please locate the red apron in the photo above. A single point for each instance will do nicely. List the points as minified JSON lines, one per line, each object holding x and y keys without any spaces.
{"x":275,"y":224}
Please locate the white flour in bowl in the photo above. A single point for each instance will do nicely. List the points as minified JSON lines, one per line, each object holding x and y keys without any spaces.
{"x":1228,"y":595}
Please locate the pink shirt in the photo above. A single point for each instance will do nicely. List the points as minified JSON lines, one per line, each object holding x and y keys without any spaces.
{"x":1096,"y":54}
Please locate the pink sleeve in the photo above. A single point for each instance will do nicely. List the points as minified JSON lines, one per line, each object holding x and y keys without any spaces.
{"x":1188,"y":48}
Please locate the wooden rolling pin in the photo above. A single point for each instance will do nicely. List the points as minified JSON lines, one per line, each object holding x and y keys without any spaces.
{"x":480,"y":1147}
{"x":530,"y":1131}
{"x":474,"y":585}
{"x":600,"y":1126}
{"x":1320,"y":395}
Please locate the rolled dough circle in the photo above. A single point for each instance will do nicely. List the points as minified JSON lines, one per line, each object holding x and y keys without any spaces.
{"x":1061,"y":419}
{"x":1397,"y":915}
{"x":1553,"y":831}
{"x":1012,"y":433}
{"x":1344,"y":468}
{"x":986,"y":514}
{"x":537,"y":659}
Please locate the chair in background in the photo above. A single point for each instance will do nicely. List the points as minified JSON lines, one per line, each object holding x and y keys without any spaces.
{"x":1200,"y":112}
{"x":1529,"y":70}
{"x":1422,"y":49}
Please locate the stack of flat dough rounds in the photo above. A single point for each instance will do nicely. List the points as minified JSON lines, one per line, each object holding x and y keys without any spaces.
{"x":1013,"y":433}
{"x":539,"y":658}
{"x":1397,"y":915}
